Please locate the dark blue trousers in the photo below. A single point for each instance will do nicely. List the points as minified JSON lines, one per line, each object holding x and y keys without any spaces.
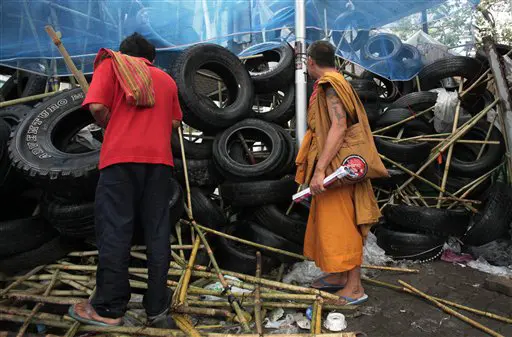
{"x":127,"y":192}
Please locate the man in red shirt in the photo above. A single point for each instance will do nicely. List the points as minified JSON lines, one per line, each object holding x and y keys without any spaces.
{"x":135,"y":172}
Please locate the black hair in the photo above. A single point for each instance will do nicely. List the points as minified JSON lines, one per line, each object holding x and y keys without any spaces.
{"x":322,"y":52}
{"x":136,"y":45}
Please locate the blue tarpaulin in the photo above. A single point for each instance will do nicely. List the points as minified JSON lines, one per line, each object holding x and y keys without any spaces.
{"x":88,"y":25}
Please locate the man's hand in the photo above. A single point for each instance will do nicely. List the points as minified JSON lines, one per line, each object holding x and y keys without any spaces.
{"x":317,"y":183}
{"x":176,"y":124}
{"x":101,"y":114}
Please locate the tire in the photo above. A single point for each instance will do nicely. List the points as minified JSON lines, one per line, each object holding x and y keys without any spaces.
{"x":407,"y":153}
{"x":238,"y":257}
{"x":387,"y":46}
{"x":410,"y":56}
{"x":201,"y":173}
{"x":341,"y":23}
{"x":396,"y":177}
{"x":49,"y":128}
{"x":392,"y":116}
{"x":33,"y":84}
{"x":13,"y":115}
{"x":21,"y":235}
{"x":266,"y":79}
{"x":373,"y":112}
{"x":280,"y":114}
{"x":205,"y":211}
{"x":409,"y":246}
{"x":233,"y":169}
{"x":22,"y":84}
{"x":388,"y":90}
{"x":176,"y":204}
{"x":481,"y":56}
{"x":74,"y":220}
{"x":274,"y":218}
{"x":497,"y":253}
{"x":5,"y":131}
{"x":48,"y":252}
{"x":491,"y":157}
{"x":11,"y":182}
{"x":493,"y":221}
{"x":288,"y":165}
{"x":249,"y":194}
{"x":198,"y":110}
{"x":193,"y":150}
{"x":268,"y":238}
{"x":366,"y":90}
{"x":416,"y":101}
{"x":441,"y":222}
{"x":469,"y":68}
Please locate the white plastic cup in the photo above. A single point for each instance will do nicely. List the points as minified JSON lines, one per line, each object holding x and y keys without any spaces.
{"x":335,"y":322}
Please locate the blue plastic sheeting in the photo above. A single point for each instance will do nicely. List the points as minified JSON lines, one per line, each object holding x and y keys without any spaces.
{"x":88,"y":25}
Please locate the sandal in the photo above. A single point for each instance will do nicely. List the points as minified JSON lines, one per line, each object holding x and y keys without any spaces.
{"x":90,"y":321}
{"x":327,"y":286}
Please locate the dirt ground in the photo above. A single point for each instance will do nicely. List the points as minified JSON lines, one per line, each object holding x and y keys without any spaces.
{"x":389,"y":313}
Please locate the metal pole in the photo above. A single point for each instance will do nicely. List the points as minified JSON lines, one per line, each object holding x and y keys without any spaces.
{"x":424,"y":21}
{"x":300,"y":70}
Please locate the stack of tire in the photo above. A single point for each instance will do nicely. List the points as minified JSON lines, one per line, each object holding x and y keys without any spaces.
{"x":418,"y":232}
{"x":250,"y":155}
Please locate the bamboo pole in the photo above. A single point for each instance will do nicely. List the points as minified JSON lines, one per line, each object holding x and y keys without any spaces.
{"x":487,"y":136}
{"x":236,"y":307}
{"x":464,"y":141}
{"x":27,"y":99}
{"x":450,"y":150}
{"x":314,"y":317}
{"x":451,"y":311}
{"x":67,"y":59}
{"x":443,"y":146}
{"x":183,"y":323}
{"x":20,"y":280}
{"x":318,"y":325}
{"x":257,"y":297}
{"x":28,"y":313}
{"x":265,"y":304}
{"x":453,"y":304}
{"x":46,"y":277}
{"x":414,"y":116}
{"x":38,"y":306}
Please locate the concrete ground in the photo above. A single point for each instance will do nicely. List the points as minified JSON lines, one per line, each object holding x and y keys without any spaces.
{"x":390,"y":313}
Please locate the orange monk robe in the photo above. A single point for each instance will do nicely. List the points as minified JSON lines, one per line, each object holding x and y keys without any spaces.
{"x":341,"y":217}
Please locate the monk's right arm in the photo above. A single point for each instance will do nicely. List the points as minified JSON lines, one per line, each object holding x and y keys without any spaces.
{"x":334,"y":140}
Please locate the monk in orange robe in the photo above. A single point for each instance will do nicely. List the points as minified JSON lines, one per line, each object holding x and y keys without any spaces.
{"x":341,"y":215}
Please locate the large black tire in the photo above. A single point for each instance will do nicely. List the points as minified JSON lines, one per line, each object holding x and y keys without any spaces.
{"x":365,"y":89}
{"x":469,"y":68}
{"x":21,"y":235}
{"x":481,"y":55}
{"x":201,"y":173}
{"x":288,"y":165}
{"x":13,"y":115}
{"x":268,"y":238}
{"x":409,"y":246}
{"x":410,"y":56}
{"x":206,"y":211}
{"x":193,"y":150}
{"x":37,"y":147}
{"x":408,"y":153}
{"x":199,"y":111}
{"x":47,"y":253}
{"x":493,"y":221}
{"x":5,"y":131}
{"x":274,"y":218}
{"x":392,"y":116}
{"x":265,"y":105}
{"x":238,"y":257}
{"x":388,"y":90}
{"x":75,"y":220}
{"x":22,"y":84}
{"x":382,"y":46}
{"x":466,"y":164}
{"x":350,"y":19}
{"x":268,"y":79}
{"x":497,"y":253}
{"x":243,"y":194}
{"x":442,"y":222}
{"x":233,"y":169}
{"x":177,"y":203}
{"x":416,"y":101}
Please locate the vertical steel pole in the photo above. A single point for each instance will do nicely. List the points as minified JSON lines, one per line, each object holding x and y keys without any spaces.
{"x":300,"y":70}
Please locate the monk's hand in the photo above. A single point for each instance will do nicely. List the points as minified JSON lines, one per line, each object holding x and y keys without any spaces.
{"x":317,"y":183}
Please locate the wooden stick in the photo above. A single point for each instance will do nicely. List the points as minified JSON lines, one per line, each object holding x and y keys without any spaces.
{"x":257,"y":297}
{"x":46,"y":277}
{"x":414,"y":116}
{"x":453,"y":304}
{"x":27,"y":99}
{"x":38,"y":306}
{"x":450,"y":150}
{"x":487,"y":136}
{"x":265,"y":304}
{"x":239,"y":312}
{"x":463,"y":141}
{"x":183,"y":323}
{"x":318,"y":325}
{"x":187,"y":274}
{"x":20,"y":280}
{"x":246,"y":148}
{"x":451,"y":311}
{"x":67,"y":59}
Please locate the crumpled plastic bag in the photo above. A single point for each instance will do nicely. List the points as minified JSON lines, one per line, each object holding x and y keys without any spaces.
{"x":485,"y":267}
{"x":498,"y":253}
{"x":217,"y":286}
{"x":444,"y":110}
{"x":372,"y":253}
{"x":303,"y":273}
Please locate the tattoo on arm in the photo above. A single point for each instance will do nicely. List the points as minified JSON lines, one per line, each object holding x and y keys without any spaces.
{"x":335,"y":106}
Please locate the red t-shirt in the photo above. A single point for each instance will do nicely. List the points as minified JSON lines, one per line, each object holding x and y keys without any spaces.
{"x":134,"y":134}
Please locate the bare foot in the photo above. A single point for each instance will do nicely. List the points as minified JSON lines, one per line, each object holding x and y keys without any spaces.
{"x":354,"y":292}
{"x":334,"y":279}
{"x":86,"y":311}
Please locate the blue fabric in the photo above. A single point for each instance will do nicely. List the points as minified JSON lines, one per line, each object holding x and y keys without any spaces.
{"x":88,"y":25}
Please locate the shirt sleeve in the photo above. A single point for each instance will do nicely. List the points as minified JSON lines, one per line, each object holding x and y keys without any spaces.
{"x":101,"y":90}
{"x":177,"y":115}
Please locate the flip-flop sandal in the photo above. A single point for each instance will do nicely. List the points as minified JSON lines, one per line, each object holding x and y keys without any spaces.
{"x":74,"y":315}
{"x":355,"y":301}
{"x":327,"y":286}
